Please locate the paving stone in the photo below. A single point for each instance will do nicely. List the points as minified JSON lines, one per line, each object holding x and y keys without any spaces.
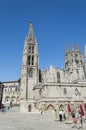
{"x":28,"y":121}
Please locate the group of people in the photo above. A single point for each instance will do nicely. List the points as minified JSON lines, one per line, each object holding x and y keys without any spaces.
{"x":5,"y":108}
{"x":62,"y":115}
{"x":77,"y":119}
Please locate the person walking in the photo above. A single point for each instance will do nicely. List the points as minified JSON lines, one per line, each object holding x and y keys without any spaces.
{"x":79,"y":120}
{"x":74,"y":119}
{"x":60,"y":115}
{"x":63,"y":115}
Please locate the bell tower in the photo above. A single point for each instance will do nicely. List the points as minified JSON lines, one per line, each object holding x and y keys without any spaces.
{"x":74,"y":68}
{"x":29,"y":71}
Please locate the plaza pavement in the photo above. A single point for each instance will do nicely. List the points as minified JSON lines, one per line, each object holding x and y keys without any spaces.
{"x":27,"y":121}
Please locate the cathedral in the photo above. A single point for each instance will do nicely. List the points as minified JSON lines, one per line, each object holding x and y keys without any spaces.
{"x":51,"y":89}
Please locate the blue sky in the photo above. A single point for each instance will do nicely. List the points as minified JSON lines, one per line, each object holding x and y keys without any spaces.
{"x":57,"y":23}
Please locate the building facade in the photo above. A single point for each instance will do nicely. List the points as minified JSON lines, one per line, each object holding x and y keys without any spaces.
{"x":52,"y":89}
{"x":11,"y":93}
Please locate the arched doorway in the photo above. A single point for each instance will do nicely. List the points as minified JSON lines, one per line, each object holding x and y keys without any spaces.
{"x":50,"y":108}
{"x":7,"y":100}
{"x":13,"y":100}
{"x":61,"y":107}
{"x":29,"y":108}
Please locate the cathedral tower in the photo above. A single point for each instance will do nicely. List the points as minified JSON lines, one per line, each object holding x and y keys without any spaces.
{"x":74,"y":64}
{"x":29,"y":71}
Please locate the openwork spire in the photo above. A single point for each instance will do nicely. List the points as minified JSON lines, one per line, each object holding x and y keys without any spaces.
{"x":72,"y":46}
{"x":31,"y":32}
{"x":66,"y":49}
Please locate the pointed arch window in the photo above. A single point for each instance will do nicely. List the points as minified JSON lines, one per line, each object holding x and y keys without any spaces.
{"x":29,"y":59}
{"x":30,"y":73}
{"x":32,"y":60}
{"x":29,"y":49}
{"x":76,"y":91}
{"x":65,"y":91}
{"x":58,"y":76}
{"x":32,"y":49}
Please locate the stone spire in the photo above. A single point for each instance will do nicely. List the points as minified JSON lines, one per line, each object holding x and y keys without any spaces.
{"x":66,"y":49}
{"x":78,"y":48}
{"x":72,"y":46}
{"x":31,"y":32}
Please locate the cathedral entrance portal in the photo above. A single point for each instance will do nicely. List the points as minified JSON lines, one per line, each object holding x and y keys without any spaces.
{"x":29,"y":108}
{"x":61,"y":107}
{"x":50,"y":108}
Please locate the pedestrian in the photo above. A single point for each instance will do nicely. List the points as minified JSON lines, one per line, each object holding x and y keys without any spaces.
{"x":79,"y":120}
{"x":74,"y":119}
{"x":60,"y":115}
{"x":41,"y":112}
{"x":10,"y":104}
{"x":63,"y":115}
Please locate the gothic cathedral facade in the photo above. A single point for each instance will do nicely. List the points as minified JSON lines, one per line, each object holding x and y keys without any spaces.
{"x":52,"y":89}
